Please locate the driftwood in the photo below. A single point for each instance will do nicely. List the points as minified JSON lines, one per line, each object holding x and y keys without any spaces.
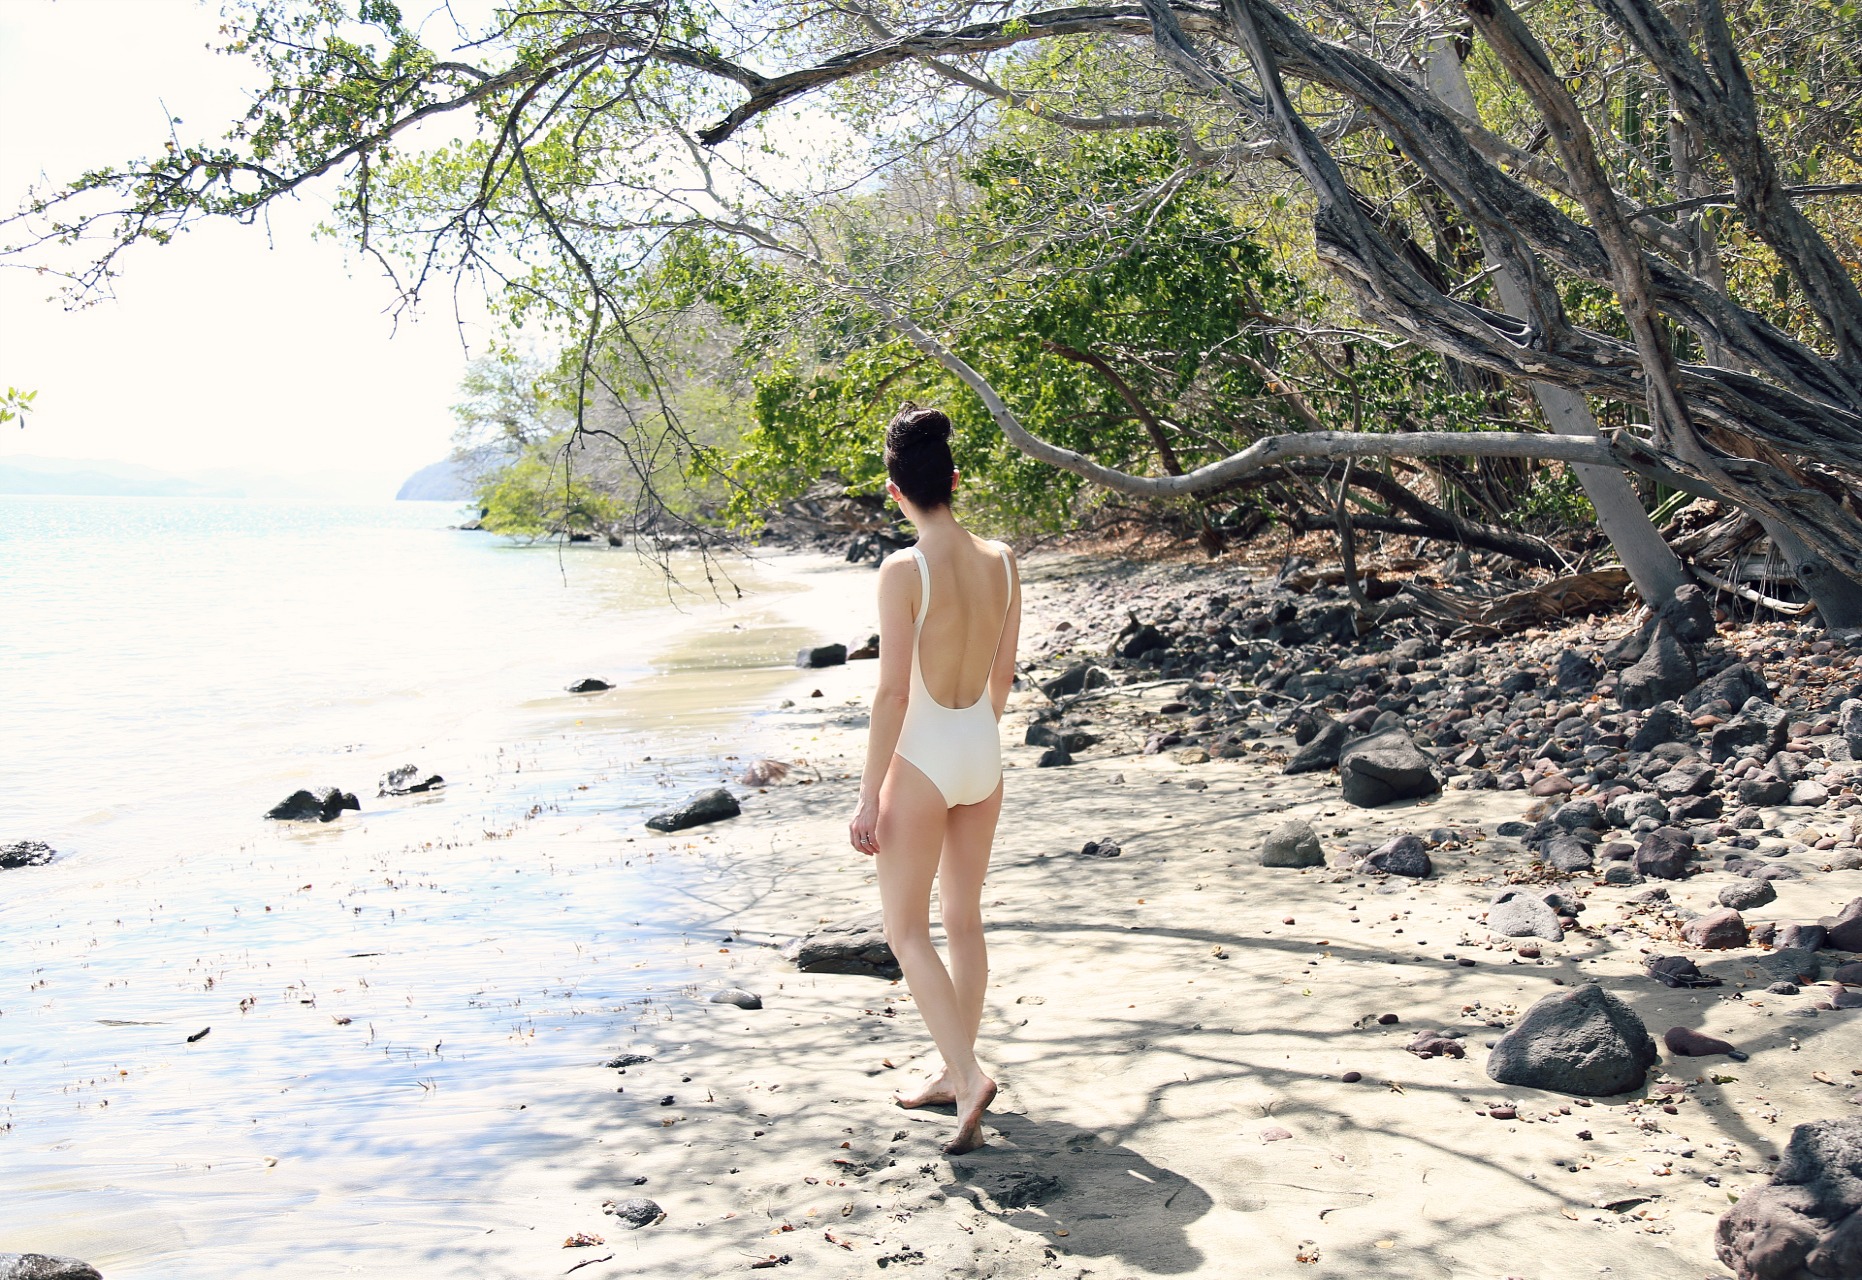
{"x":1566,"y":597}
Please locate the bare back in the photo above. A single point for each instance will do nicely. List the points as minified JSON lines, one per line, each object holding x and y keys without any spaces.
{"x":965,"y":621}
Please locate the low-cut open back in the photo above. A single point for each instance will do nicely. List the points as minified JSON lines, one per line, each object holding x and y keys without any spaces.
{"x":957,"y":748}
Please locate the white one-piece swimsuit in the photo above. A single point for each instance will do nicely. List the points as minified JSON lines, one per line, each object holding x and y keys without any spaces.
{"x":958,"y":748}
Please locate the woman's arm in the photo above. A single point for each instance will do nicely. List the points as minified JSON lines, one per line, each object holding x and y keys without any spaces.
{"x":1002,"y":677}
{"x":898,"y":597}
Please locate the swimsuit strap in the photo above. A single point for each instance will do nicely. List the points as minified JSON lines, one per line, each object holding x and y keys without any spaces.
{"x":1008,"y":575}
{"x":924,"y":593}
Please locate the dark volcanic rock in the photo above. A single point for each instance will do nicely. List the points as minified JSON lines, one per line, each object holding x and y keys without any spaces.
{"x":1077,"y":678}
{"x":1743,"y":894}
{"x":1402,"y":856}
{"x":1790,"y":964}
{"x":1763,"y":789}
{"x":1807,"y":1224}
{"x":1664,"y":723}
{"x":1143,"y":640}
{"x":1292,"y":844}
{"x":25,"y":853}
{"x":1732,"y":685}
{"x":45,"y":1266}
{"x":1695,"y":809}
{"x":1758,"y":724}
{"x":1690,"y":615}
{"x":1054,"y":758}
{"x":590,"y":685}
{"x":1567,"y":853}
{"x":1721,"y":929}
{"x":1689,"y":1043}
{"x":1322,"y":750}
{"x":1678,"y":971}
{"x":1043,"y":734}
{"x":737,"y":996}
{"x":1664,"y":853}
{"x":308,"y":806}
{"x":1106,"y":848}
{"x":1384,"y":768}
{"x":1849,"y":974}
{"x":822,"y":655}
{"x":1582,"y":1041}
{"x":1803,"y":937}
{"x":406,"y":781}
{"x":1575,"y":814}
{"x":1574,"y":672}
{"x":855,"y":946}
{"x":1846,"y":933}
{"x":1664,"y":671}
{"x":1433,"y":1044}
{"x":1849,"y":724}
{"x":1515,"y":913}
{"x":635,"y":1213}
{"x":706,"y":806}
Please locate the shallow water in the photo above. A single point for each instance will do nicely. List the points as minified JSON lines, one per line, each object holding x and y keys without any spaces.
{"x":402,"y":1009}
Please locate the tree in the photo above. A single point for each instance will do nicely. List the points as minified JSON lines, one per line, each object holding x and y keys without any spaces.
{"x":598,"y":128}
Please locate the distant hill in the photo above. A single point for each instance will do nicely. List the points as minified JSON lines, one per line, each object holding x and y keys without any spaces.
{"x":72,"y":477}
{"x":452,"y":480}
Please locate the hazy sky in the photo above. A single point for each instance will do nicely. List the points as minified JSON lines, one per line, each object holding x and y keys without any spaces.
{"x":220,"y":349}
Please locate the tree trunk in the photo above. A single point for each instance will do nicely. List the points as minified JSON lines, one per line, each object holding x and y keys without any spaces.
{"x":1651,"y":563}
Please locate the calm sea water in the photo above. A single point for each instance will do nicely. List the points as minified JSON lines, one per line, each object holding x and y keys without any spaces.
{"x":237,"y":1047}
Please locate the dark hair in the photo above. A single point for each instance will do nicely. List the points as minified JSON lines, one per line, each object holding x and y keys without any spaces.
{"x":918,"y":455}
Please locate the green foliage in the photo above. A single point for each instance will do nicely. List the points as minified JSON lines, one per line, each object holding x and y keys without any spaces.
{"x":539,"y":494}
{"x":1554,"y":498}
{"x":16,"y":404}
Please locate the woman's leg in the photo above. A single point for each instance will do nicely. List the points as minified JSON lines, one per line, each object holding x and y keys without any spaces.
{"x":912,"y":822}
{"x":969,"y":834}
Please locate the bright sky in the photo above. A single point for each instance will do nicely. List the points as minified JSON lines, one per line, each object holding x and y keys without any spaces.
{"x":221,"y":349}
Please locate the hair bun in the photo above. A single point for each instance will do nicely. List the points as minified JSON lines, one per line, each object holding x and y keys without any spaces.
{"x":914,"y":427}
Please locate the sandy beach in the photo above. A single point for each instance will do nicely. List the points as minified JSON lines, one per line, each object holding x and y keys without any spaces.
{"x":1173,"y":1029}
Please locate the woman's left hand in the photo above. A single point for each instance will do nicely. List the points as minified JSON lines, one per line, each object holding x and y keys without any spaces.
{"x":863,"y":831}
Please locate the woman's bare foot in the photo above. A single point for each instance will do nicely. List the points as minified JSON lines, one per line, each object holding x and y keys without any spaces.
{"x":970,"y":1110}
{"x":939,"y":1093}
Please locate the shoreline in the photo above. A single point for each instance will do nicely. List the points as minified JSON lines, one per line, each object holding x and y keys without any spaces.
{"x":1165,"y":1110}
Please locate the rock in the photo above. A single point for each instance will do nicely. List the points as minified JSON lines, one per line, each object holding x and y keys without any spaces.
{"x":1763,"y":790}
{"x":307,"y":806}
{"x":1292,"y":844}
{"x":45,"y":1266}
{"x":1790,"y":964}
{"x":1107,"y":848}
{"x":1045,"y":734}
{"x":1384,"y":768}
{"x":1692,"y":778}
{"x":1849,"y":974}
{"x":856,"y":946}
{"x":626,"y":1060}
{"x":1514,"y":913}
{"x":1805,"y":1225}
{"x":1581,"y":1041}
{"x":1402,"y":856}
{"x":1568,"y":854}
{"x":1620,"y":873}
{"x":1322,"y":749}
{"x":824,"y":655}
{"x":1846,"y":933}
{"x":1689,"y":1043}
{"x":1690,"y":614}
{"x":1733,"y":686}
{"x":1574,"y":672}
{"x":25,"y":853}
{"x":1664,"y":671}
{"x":1664,"y":852}
{"x":705,"y":806}
{"x":1573,"y":815}
{"x":1014,"y":1188}
{"x":1145,"y":639}
{"x":635,"y":1213}
{"x":865,"y":651}
{"x":1799,"y":937}
{"x":1758,"y":724}
{"x":1054,"y":758}
{"x":1191,"y":755}
{"x":1722,"y":929}
{"x":1433,"y":1044}
{"x":406,"y":781}
{"x":1077,"y":678}
{"x":1808,"y":794}
{"x":590,"y":685}
{"x":1694,"y":809}
{"x":1555,"y":784}
{"x":1678,"y":971}
{"x":1784,"y":989}
{"x":737,"y":996}
{"x":1664,"y":723}
{"x":1628,"y":810}
{"x":1743,"y":894}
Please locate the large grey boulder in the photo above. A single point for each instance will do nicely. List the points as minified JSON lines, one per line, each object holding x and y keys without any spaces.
{"x":45,"y":1266}
{"x":25,"y":853}
{"x":1664,"y":723}
{"x":1403,"y":855}
{"x":1846,"y":933}
{"x":1807,"y":1224}
{"x":1582,"y":1041}
{"x":822,"y":655}
{"x":1664,"y":853}
{"x":1732,"y":685}
{"x":706,"y":806}
{"x":1628,"y":809}
{"x":1849,"y":724}
{"x":1292,"y":844}
{"x":1077,"y":678}
{"x":1384,"y":768}
{"x":1514,"y":913}
{"x":1690,"y":614}
{"x":1743,"y":894}
{"x":1322,"y":749}
{"x":1664,"y":671}
{"x":856,"y":946}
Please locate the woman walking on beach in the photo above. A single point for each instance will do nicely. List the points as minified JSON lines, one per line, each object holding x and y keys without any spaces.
{"x":949,"y":619}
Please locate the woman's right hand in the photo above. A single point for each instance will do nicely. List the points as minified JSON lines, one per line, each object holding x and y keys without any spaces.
{"x":863,"y":831}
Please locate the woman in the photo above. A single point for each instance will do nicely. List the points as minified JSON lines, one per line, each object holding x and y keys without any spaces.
{"x":949,"y":618}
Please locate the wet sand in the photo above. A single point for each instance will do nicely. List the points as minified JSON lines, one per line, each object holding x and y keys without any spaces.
{"x":1166,"y":1111}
